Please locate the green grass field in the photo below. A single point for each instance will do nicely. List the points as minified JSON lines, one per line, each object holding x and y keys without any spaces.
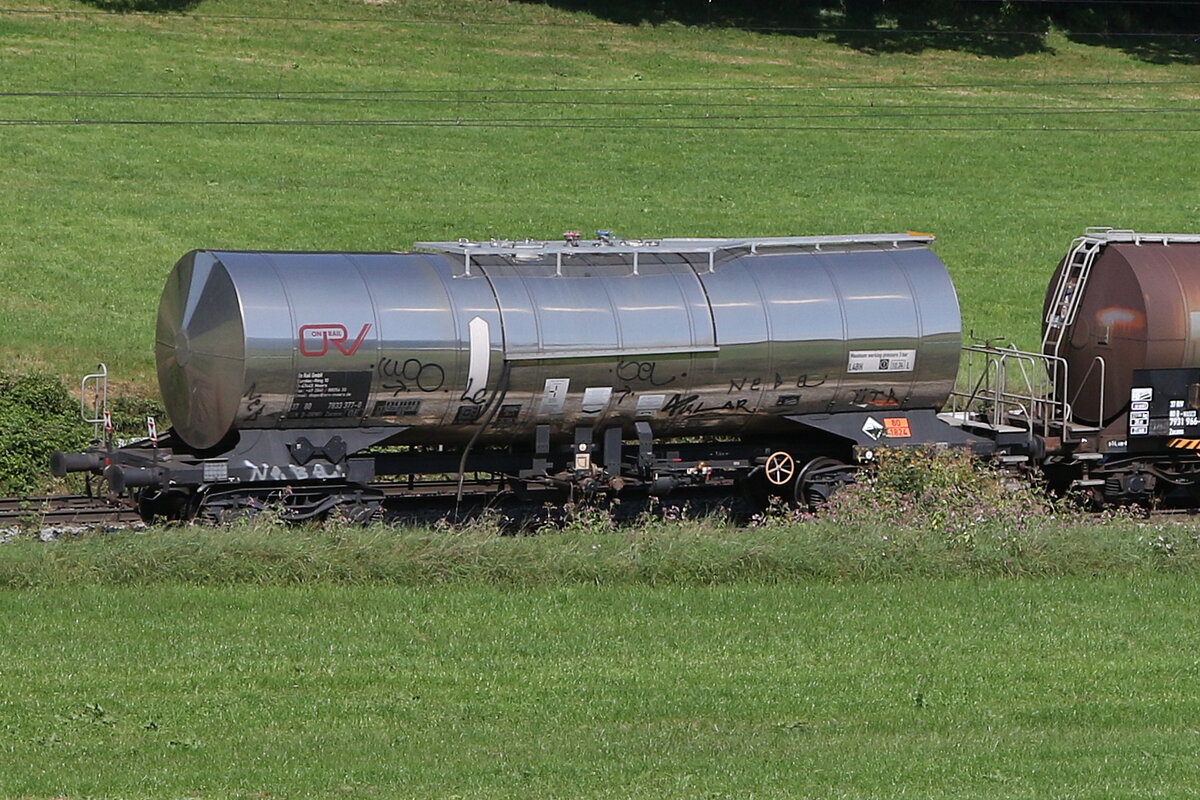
{"x":1001,"y":688}
{"x":683,"y":663}
{"x":670,"y":660}
{"x":444,"y":120}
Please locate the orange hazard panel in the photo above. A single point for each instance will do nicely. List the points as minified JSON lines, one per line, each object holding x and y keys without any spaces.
{"x":896,"y":428}
{"x":1184,"y":444}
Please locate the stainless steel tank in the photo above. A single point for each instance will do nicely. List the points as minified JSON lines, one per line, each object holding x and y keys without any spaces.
{"x":1121,"y":301}
{"x":721,"y":336}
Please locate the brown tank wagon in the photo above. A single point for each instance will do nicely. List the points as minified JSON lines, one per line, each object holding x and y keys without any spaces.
{"x":1109,"y":405}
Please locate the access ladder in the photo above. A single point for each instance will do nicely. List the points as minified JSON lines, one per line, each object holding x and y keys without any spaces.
{"x":1068,"y":292}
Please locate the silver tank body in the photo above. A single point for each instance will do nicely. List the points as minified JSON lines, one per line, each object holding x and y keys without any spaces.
{"x":692,"y":336}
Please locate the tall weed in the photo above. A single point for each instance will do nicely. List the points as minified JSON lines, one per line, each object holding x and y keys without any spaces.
{"x":942,"y":491}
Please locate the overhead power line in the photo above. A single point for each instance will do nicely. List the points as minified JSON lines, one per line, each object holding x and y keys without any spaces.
{"x":963,"y":32}
{"x":728,"y":124}
{"x":865,"y":108}
{"x":561,"y":92}
{"x":466,"y":23}
{"x":1088,"y":2}
{"x":865,"y":113}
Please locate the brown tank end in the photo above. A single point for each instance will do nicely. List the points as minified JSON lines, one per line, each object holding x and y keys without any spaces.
{"x":1140,"y":309}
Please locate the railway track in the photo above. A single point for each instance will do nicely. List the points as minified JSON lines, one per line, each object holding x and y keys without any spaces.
{"x":403,"y":501}
{"x":64,"y":510}
{"x":428,"y":502}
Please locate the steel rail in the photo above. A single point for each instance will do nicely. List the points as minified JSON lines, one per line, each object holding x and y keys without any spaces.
{"x":60,"y":510}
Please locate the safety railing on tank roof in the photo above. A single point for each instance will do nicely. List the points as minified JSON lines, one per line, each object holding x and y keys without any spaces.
{"x":1105,"y":235}
{"x":531,"y":250}
{"x":1010,"y":389}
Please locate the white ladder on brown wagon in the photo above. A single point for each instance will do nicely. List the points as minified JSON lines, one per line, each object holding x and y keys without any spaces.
{"x":1069,"y":292}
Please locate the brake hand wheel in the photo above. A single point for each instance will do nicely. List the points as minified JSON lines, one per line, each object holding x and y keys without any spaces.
{"x":780,"y":468}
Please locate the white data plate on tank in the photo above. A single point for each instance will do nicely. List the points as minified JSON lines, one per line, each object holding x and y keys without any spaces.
{"x":882,"y":361}
{"x":595,"y":399}
{"x":649,"y":404}
{"x":554,"y":397}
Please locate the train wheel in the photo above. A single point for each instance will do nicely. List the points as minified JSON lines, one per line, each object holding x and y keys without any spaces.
{"x":363,"y":512}
{"x":228,"y":508}
{"x":755,"y":491}
{"x":819,"y":479}
{"x":155,"y":505}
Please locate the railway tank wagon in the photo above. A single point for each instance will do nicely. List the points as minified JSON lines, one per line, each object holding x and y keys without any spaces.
{"x":1119,"y":415}
{"x":1122,"y":301}
{"x":598,"y":365}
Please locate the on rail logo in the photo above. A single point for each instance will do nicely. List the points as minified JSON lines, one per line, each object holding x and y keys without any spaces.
{"x":315,"y":340}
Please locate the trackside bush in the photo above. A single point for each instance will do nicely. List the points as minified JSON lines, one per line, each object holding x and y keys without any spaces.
{"x":941,"y":491}
{"x":37,"y":416}
{"x":129,"y":411}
